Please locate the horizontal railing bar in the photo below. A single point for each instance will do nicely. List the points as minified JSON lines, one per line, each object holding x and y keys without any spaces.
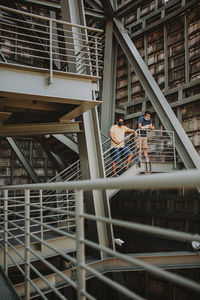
{"x":175,"y":179}
{"x":167,"y":233}
{"x":38,"y":290}
{"x":113,"y":284}
{"x":61,"y":232}
{"x":44,"y":280}
{"x":88,"y":296}
{"x":44,"y":41}
{"x":28,"y":55}
{"x":22,"y":41}
{"x":88,"y":40}
{"x":54,"y":269}
{"x":54,"y":40}
{"x":16,"y":264}
{"x":45,"y":58}
{"x":64,"y":255}
{"x":26,"y":48}
{"x":47,"y":19}
{"x":28,"y":34}
{"x":177,"y":279}
{"x":27,"y":21}
{"x":15,"y":250}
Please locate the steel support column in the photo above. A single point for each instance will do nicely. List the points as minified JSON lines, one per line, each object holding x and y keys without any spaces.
{"x":24,"y":161}
{"x":184,"y":146}
{"x":72,"y":11}
{"x":89,"y":141}
{"x":109,"y":80}
{"x":92,"y":166}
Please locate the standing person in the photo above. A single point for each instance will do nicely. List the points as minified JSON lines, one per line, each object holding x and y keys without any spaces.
{"x":144,"y":122}
{"x":117,"y":134}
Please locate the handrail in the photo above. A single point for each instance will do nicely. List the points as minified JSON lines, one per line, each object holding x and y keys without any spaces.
{"x":12,"y":216}
{"x":47,"y":19}
{"x":62,"y":45}
{"x":164,"y":137}
{"x":174,"y":179}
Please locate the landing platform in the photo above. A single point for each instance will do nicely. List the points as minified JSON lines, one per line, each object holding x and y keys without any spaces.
{"x":28,"y":98}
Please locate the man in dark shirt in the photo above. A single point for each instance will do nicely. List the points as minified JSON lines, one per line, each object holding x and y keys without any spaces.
{"x":144,"y":122}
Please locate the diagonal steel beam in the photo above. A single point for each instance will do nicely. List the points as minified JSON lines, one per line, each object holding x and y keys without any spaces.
{"x":95,"y":4}
{"x":67,"y":142}
{"x":25,"y":163}
{"x":108,"y":7}
{"x":184,"y":146}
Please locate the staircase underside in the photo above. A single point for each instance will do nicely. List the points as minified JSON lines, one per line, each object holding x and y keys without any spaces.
{"x":29,"y":105}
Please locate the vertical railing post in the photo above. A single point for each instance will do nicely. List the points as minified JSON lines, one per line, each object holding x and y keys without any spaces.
{"x":174,"y":150}
{"x":6,"y":231}
{"x":41,"y":222}
{"x":140,"y":146}
{"x":96,"y":54}
{"x":80,"y":247}
{"x":27,"y":244}
{"x":50,"y":51}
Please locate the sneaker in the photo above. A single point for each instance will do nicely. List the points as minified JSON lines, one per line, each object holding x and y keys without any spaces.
{"x":147,"y":160}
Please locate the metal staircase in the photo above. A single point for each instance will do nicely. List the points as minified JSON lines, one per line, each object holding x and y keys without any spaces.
{"x":161,"y":151}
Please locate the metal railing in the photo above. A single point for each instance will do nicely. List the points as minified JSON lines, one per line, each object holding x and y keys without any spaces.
{"x":38,"y":41}
{"x":160,"y":148}
{"x":75,"y":271}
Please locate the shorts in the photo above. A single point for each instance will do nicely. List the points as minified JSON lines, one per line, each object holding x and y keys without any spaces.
{"x":141,"y":141}
{"x":116,"y":153}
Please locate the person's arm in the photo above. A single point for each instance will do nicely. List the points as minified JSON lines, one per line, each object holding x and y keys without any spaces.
{"x":131,"y":131}
{"x":150,"y":126}
{"x":113,"y":138}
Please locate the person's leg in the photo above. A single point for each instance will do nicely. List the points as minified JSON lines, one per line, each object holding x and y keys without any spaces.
{"x":114,"y":166}
{"x":129,"y":155}
{"x":144,"y":145}
{"x":115,"y":157}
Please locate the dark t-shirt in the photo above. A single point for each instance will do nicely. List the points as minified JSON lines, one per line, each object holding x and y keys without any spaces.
{"x":144,"y":122}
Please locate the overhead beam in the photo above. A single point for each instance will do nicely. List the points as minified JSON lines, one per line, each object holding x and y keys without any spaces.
{"x":38,"y":129}
{"x":30,"y":104}
{"x":184,"y":146}
{"x":85,"y":106}
{"x":4,"y":116}
{"x":25,"y":163}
